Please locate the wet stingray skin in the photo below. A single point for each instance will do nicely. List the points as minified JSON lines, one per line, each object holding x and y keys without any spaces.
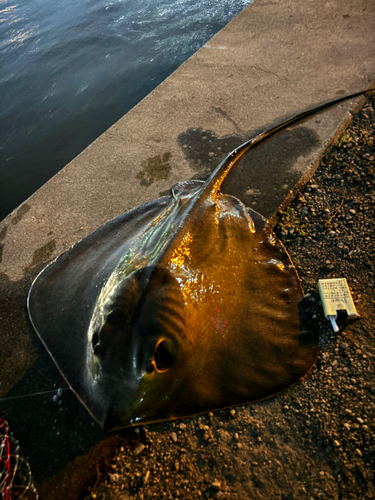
{"x":183,"y":305}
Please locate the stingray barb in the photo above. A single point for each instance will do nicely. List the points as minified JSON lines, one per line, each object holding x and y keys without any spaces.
{"x":183,"y":305}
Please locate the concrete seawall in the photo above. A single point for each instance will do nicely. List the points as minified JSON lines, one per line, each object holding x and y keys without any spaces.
{"x":275,"y":59}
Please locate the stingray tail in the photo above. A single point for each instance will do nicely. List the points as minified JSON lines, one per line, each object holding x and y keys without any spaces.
{"x":215,"y":180}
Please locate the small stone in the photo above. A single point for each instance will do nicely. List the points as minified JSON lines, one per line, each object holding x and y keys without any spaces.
{"x":174,"y":437}
{"x":349,"y":412}
{"x":177,"y":465}
{"x":236,"y":437}
{"x":216,"y":485}
{"x":232,"y":412}
{"x":145,"y":477}
{"x":182,"y":426}
{"x":336,"y":443}
{"x":358,"y":451}
{"x":321,"y":473}
{"x":114,"y":477}
{"x":239,"y":445}
{"x":360,"y":420}
{"x":347,"y":426}
{"x":139,"y":448}
{"x":343,"y":346}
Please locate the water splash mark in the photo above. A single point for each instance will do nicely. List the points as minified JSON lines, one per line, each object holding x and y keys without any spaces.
{"x":155,"y":168}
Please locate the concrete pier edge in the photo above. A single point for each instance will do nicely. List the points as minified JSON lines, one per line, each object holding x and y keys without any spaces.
{"x":273,"y":60}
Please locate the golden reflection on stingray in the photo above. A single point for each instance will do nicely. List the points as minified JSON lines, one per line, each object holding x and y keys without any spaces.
{"x":182,"y":251}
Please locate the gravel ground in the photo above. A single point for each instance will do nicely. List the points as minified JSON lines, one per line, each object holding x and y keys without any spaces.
{"x":316,"y":440}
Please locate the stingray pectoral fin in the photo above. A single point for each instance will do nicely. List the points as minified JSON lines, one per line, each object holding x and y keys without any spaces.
{"x":251,"y":330}
{"x":64,"y":295}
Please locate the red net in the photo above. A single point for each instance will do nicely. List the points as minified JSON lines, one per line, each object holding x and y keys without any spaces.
{"x":15,"y":474}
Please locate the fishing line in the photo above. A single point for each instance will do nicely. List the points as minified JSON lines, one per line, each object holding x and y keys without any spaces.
{"x":35,"y":394}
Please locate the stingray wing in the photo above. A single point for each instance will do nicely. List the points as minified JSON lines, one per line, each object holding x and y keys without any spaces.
{"x":246,"y":318}
{"x":63,"y":296}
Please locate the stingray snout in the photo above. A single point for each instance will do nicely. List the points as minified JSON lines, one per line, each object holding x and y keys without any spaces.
{"x":119,"y":399}
{"x":131,"y":395}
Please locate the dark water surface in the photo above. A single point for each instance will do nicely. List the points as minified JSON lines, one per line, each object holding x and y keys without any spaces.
{"x":69,"y":70}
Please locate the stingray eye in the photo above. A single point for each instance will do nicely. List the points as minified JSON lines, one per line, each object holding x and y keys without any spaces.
{"x":164,"y":358}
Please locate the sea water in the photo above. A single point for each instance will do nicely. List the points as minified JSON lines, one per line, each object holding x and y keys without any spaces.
{"x":70,"y":69}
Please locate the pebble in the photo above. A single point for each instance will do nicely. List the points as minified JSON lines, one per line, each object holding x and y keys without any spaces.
{"x":336,"y":443}
{"x":232,"y":412}
{"x":216,"y":485}
{"x":139,"y":448}
{"x":358,"y":451}
{"x":145,"y":477}
{"x":174,"y":437}
{"x":182,"y":426}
